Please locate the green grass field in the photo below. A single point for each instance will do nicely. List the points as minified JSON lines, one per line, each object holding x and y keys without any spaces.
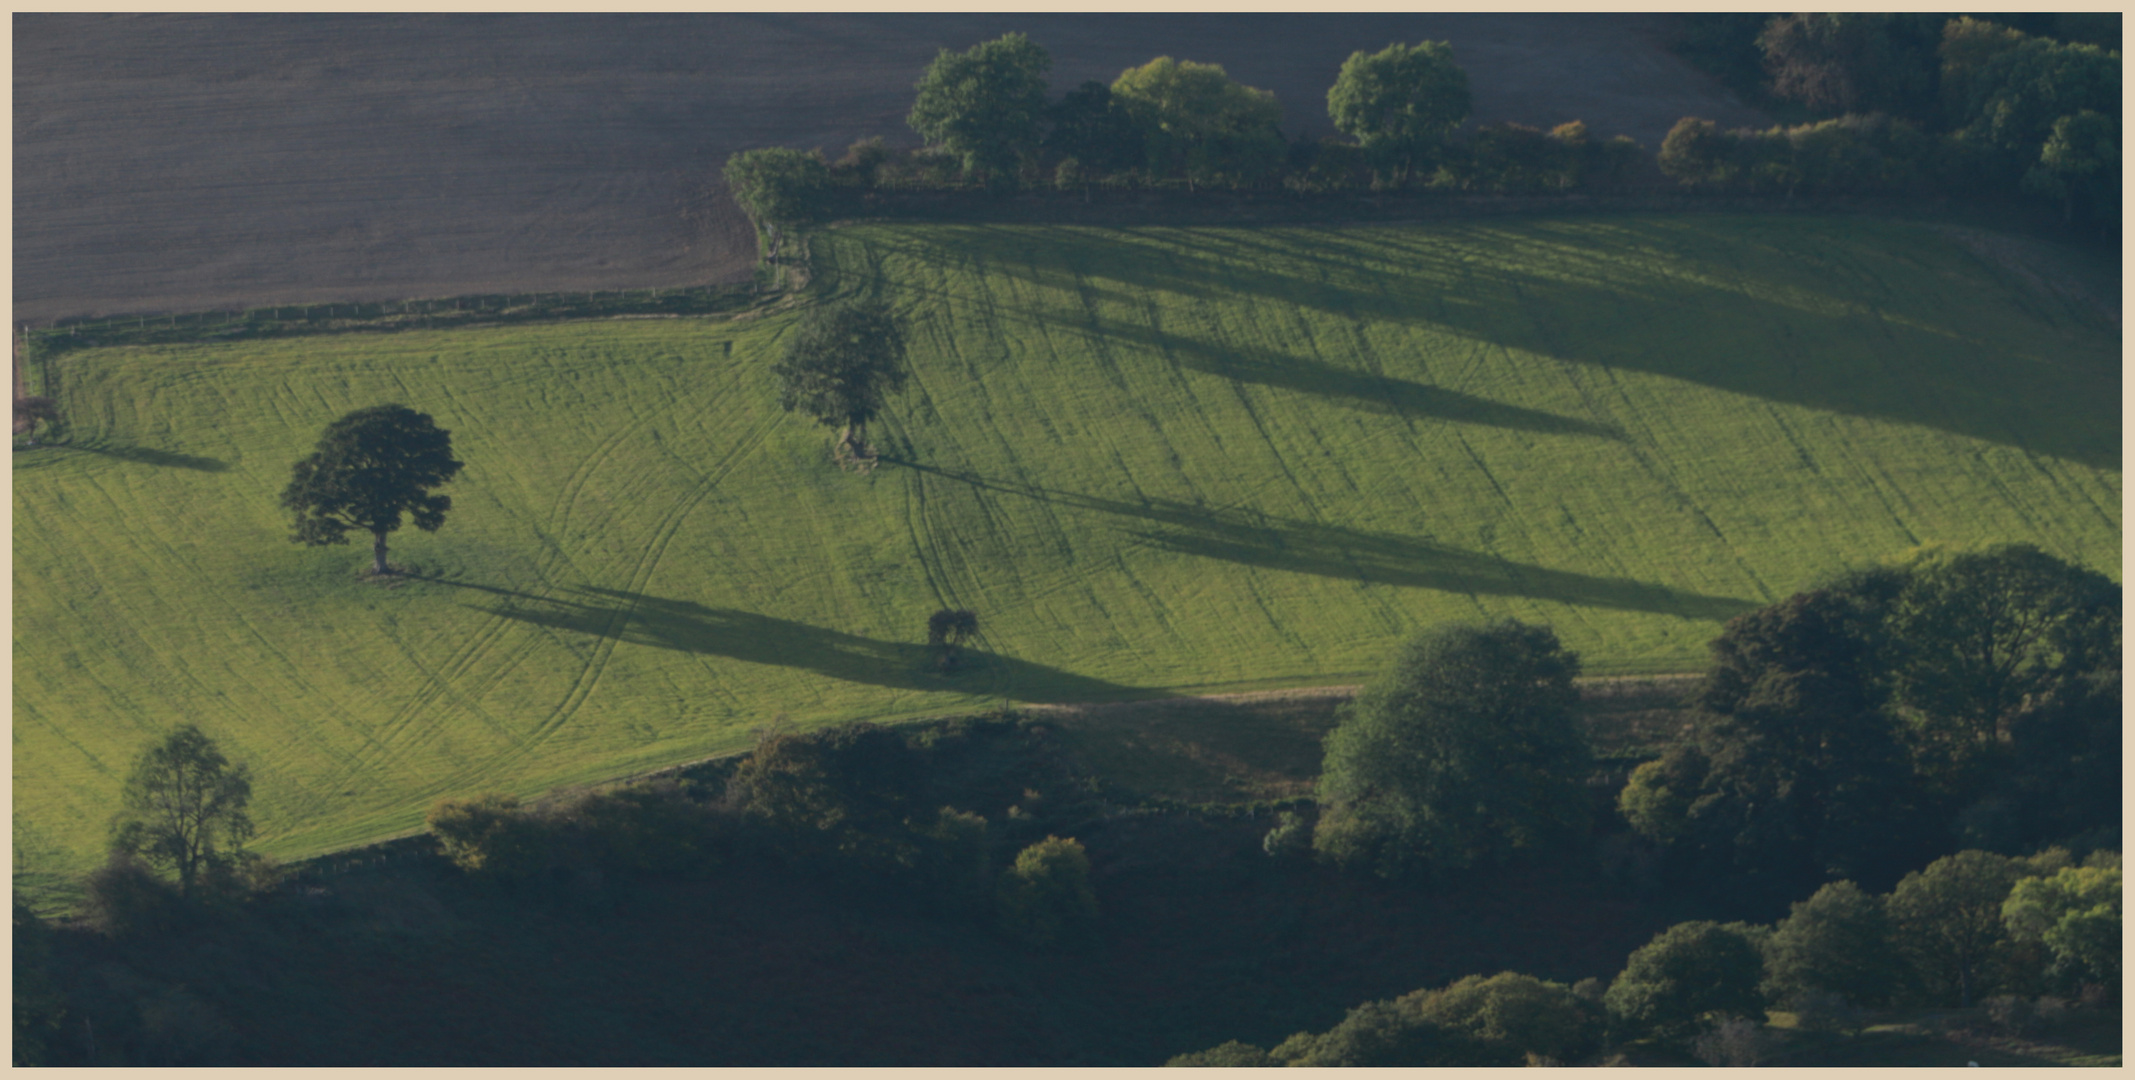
{"x":1153,"y":461}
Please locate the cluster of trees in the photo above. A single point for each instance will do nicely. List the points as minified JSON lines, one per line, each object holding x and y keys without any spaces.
{"x":1962,"y":699}
{"x":856,"y":803}
{"x":1920,"y":102}
{"x":986,"y":118}
{"x":1968,"y":923}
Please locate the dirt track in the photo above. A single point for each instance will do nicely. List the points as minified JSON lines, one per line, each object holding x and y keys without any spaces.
{"x":185,"y":162}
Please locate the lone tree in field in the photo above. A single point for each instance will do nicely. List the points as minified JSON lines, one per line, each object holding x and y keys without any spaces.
{"x":31,"y":411}
{"x":184,"y":807}
{"x":947,"y":630}
{"x":843,"y":361}
{"x":984,"y":104}
{"x":1400,"y":103}
{"x":372,"y":466}
{"x":1465,"y":751}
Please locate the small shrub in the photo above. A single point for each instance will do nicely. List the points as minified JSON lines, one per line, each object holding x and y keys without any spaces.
{"x":2011,"y":1015}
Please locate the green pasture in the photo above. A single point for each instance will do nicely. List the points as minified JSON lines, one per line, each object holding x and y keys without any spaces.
{"x":1154,"y":461}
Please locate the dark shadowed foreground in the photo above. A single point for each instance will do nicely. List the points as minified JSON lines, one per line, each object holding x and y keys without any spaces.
{"x":186,"y":162}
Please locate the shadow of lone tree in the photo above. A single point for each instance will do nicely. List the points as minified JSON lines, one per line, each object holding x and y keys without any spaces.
{"x":946,"y":631}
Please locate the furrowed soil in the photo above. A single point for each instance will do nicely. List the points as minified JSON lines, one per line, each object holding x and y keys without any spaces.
{"x":1156,"y":462}
{"x":192,"y":162}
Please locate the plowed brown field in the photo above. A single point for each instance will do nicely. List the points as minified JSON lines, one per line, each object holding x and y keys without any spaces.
{"x":185,"y":162}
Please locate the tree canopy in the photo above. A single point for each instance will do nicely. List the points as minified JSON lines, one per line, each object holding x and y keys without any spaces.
{"x":984,"y":104}
{"x":1197,"y":121}
{"x":841,"y":364}
{"x":778,"y":186}
{"x":1401,"y":101}
{"x":1836,"y":942}
{"x":1686,"y":976}
{"x":1465,"y":749}
{"x":372,"y":467}
{"x":184,"y":807}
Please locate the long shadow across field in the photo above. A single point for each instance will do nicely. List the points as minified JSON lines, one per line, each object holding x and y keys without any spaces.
{"x":1256,"y":539}
{"x":687,"y":626}
{"x":1664,"y":298}
{"x":143,"y":455}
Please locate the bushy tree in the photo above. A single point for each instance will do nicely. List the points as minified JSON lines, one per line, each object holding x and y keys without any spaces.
{"x":984,"y":104}
{"x":1096,"y":130}
{"x":1400,"y":103}
{"x":1514,"y":1015}
{"x":840,"y":366}
{"x":778,"y":186}
{"x":1948,"y":920}
{"x":2076,"y":915}
{"x":1794,"y":771}
{"x":1232,"y":1055}
{"x":845,"y":792}
{"x":2080,"y":165}
{"x":1838,"y":941}
{"x":1689,"y":975}
{"x":948,"y":630}
{"x":184,"y":807}
{"x":488,"y":835}
{"x":1383,"y":1034}
{"x":1854,"y":62}
{"x":1045,"y":898}
{"x":1464,"y":750}
{"x":1199,"y":123}
{"x":2006,"y":89}
{"x":372,"y":467}
{"x":1982,"y":637}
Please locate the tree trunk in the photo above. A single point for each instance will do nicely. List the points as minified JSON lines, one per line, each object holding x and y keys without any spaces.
{"x":378,"y":565}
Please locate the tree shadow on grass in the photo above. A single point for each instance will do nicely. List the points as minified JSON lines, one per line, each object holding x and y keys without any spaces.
{"x":1382,"y":394}
{"x":143,"y":455}
{"x":687,"y":626}
{"x":1822,"y":321}
{"x":1252,"y":538}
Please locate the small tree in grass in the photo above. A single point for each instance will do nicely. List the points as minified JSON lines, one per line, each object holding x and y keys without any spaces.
{"x":32,"y":411}
{"x":948,"y":630}
{"x":372,"y":467}
{"x":842,"y":363}
{"x":184,"y":807}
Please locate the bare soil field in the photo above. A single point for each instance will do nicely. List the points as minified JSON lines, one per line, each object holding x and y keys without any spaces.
{"x":190,"y":162}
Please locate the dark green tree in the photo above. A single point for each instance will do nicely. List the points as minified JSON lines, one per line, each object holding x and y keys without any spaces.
{"x":1854,"y":62}
{"x":371,"y":468}
{"x":1045,"y":898}
{"x":844,"y":793}
{"x":1382,"y":1034}
{"x":777,"y":186}
{"x":2080,"y":166}
{"x":1514,"y":1015}
{"x":984,"y":104}
{"x":948,"y":630}
{"x":184,"y":807}
{"x":489,"y":835}
{"x":1400,"y":103}
{"x":1983,"y":638}
{"x":1948,"y":920}
{"x":1688,"y":976}
{"x":1091,"y":126}
{"x":1794,"y":771}
{"x":1197,"y":122}
{"x":1232,"y":1055}
{"x":2076,"y":915}
{"x":840,"y":366}
{"x":1464,"y":750}
{"x":1838,"y":941}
